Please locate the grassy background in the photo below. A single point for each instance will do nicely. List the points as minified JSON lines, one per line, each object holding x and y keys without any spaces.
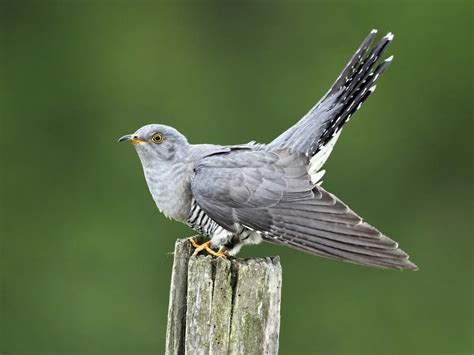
{"x":85,"y":256}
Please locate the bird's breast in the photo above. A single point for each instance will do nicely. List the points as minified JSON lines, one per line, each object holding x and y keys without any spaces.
{"x":171,"y":190}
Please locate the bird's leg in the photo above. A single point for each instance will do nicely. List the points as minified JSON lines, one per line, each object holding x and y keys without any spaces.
{"x":223,"y":251}
{"x":200,"y":247}
{"x":204,"y":246}
{"x":193,"y":241}
{"x":207,"y":247}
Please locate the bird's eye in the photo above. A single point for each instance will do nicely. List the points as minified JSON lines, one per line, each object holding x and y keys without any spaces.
{"x":157,"y":138}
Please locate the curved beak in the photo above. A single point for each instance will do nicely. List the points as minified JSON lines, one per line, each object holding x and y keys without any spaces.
{"x":126,"y":138}
{"x":131,"y":138}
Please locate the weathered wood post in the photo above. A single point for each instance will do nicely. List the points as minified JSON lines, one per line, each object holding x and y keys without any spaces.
{"x":223,"y":306}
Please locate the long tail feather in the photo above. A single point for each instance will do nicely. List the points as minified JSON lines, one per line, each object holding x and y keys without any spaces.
{"x":357,"y":89}
{"x":353,"y":86}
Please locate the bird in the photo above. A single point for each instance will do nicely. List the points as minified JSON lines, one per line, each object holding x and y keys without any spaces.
{"x":236,"y":195}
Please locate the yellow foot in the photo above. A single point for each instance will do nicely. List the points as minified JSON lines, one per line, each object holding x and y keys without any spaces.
{"x":200,"y":247}
{"x":222,"y":252}
{"x":193,"y":241}
{"x":207,"y":247}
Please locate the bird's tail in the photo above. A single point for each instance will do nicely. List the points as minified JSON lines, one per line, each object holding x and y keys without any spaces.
{"x":356,"y":83}
{"x":353,"y":86}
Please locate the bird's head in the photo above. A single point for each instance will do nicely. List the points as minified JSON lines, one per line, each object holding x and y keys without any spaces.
{"x":157,"y":142}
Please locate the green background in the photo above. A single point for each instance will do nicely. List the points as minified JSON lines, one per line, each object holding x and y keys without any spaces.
{"x":85,"y":256}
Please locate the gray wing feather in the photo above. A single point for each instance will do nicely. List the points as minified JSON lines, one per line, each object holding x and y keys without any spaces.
{"x":271,"y":192}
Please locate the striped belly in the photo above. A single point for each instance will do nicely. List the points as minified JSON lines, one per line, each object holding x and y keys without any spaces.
{"x":202,"y":223}
{"x":206,"y":226}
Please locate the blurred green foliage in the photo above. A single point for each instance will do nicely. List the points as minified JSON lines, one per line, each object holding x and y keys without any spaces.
{"x":85,"y":256}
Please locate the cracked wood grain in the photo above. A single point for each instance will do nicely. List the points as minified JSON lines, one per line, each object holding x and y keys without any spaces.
{"x":223,"y":306}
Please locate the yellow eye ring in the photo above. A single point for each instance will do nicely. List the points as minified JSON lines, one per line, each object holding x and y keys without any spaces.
{"x":157,"y":138}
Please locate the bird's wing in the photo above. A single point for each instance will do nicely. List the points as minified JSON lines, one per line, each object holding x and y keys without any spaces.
{"x":244,"y":179}
{"x":321,"y":125}
{"x":271,"y":192}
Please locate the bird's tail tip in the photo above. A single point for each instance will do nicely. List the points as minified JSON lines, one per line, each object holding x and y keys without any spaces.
{"x":389,"y":36}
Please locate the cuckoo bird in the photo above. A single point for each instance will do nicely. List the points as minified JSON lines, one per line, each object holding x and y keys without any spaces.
{"x":244,"y":194}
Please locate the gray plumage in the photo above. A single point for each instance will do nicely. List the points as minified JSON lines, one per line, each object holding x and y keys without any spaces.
{"x":239,"y":195}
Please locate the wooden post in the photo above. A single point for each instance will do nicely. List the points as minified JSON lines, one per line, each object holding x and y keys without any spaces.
{"x":223,"y":306}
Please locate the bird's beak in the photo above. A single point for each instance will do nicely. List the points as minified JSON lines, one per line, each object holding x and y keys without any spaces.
{"x":131,"y":138}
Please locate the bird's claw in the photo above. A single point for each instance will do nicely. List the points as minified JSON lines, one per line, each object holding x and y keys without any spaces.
{"x":222,"y":252}
{"x":200,"y":247}
{"x":193,"y":241}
